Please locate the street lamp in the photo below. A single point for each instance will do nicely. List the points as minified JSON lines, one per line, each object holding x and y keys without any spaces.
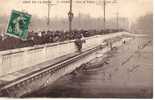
{"x":104,"y":8}
{"x":104,"y":11}
{"x":49,"y":9}
{"x":70,"y":17}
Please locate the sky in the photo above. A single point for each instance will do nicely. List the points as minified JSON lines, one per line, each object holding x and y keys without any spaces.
{"x":131,"y":9}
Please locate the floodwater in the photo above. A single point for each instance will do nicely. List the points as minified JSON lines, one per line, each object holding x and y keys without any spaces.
{"x":125,"y":72}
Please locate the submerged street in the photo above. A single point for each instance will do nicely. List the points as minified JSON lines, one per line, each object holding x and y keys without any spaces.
{"x":126,"y":71}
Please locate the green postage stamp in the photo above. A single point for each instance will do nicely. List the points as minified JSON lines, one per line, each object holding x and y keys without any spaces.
{"x":18,"y":24}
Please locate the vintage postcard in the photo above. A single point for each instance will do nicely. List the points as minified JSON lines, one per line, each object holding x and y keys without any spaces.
{"x":76,"y":49}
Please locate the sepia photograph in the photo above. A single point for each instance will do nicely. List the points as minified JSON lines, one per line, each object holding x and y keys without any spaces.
{"x":76,"y":49}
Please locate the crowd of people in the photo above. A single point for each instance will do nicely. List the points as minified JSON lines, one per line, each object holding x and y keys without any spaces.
{"x":43,"y":37}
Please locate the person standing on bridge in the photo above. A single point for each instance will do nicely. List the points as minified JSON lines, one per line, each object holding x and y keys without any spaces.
{"x":79,"y":41}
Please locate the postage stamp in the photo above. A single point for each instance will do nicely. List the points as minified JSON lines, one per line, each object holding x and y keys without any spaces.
{"x":18,"y":24}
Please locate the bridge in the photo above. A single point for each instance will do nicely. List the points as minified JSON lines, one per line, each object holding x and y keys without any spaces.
{"x":28,"y":69}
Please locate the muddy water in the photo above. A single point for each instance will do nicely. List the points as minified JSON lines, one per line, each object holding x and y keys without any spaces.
{"x":124,"y":72}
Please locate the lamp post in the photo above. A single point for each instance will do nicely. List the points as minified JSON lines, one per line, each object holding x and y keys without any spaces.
{"x":48,"y":16}
{"x":104,"y":9}
{"x":103,"y":4}
{"x":70,"y":17}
